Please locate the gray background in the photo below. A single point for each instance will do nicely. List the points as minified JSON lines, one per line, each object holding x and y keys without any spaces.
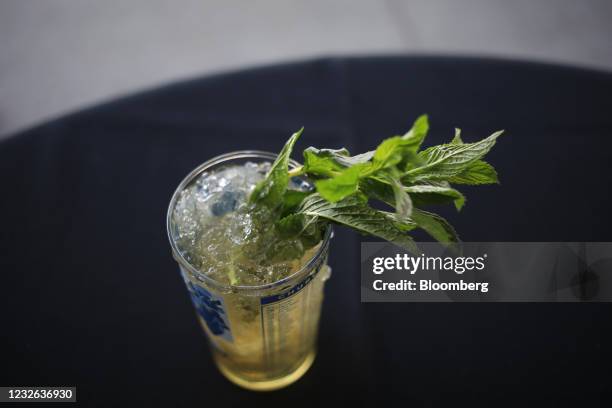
{"x":60,"y":55}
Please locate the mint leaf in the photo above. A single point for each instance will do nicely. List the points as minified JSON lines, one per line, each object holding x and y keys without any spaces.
{"x":401,"y":149}
{"x":340,"y":158}
{"x":301,"y":225}
{"x":403,"y":203}
{"x":357,"y":159}
{"x":415,"y":136}
{"x":297,"y":233}
{"x":435,"y":226}
{"x":353,"y":211}
{"x":346,"y":183}
{"x":292,"y":199}
{"x":435,"y":193}
{"x":323,"y":162}
{"x":389,"y":152}
{"x":445,"y":161}
{"x":421,"y":194}
{"x":477,"y":172}
{"x":270,"y":191}
{"x":308,"y":229}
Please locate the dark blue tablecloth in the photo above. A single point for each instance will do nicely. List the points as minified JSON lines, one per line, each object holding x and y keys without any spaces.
{"x":91,"y":297}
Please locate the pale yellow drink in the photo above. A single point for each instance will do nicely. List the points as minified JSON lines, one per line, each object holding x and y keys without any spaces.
{"x":273,"y":344}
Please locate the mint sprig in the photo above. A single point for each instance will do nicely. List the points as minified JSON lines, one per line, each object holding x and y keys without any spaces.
{"x":272,"y":190}
{"x":397,"y":173}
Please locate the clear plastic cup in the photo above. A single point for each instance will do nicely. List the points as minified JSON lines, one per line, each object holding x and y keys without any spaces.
{"x":261,"y":337}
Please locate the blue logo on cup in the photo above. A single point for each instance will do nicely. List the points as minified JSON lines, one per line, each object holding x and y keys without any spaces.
{"x":210,"y":308}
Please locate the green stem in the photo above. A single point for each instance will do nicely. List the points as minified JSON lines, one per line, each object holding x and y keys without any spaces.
{"x":298,"y":171}
{"x":231,"y":272}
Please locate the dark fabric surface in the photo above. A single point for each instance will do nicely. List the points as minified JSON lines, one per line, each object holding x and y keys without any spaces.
{"x":90,"y":295}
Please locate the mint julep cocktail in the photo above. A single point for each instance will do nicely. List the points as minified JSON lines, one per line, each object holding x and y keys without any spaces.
{"x":260,"y":316}
{"x":251,"y":230}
